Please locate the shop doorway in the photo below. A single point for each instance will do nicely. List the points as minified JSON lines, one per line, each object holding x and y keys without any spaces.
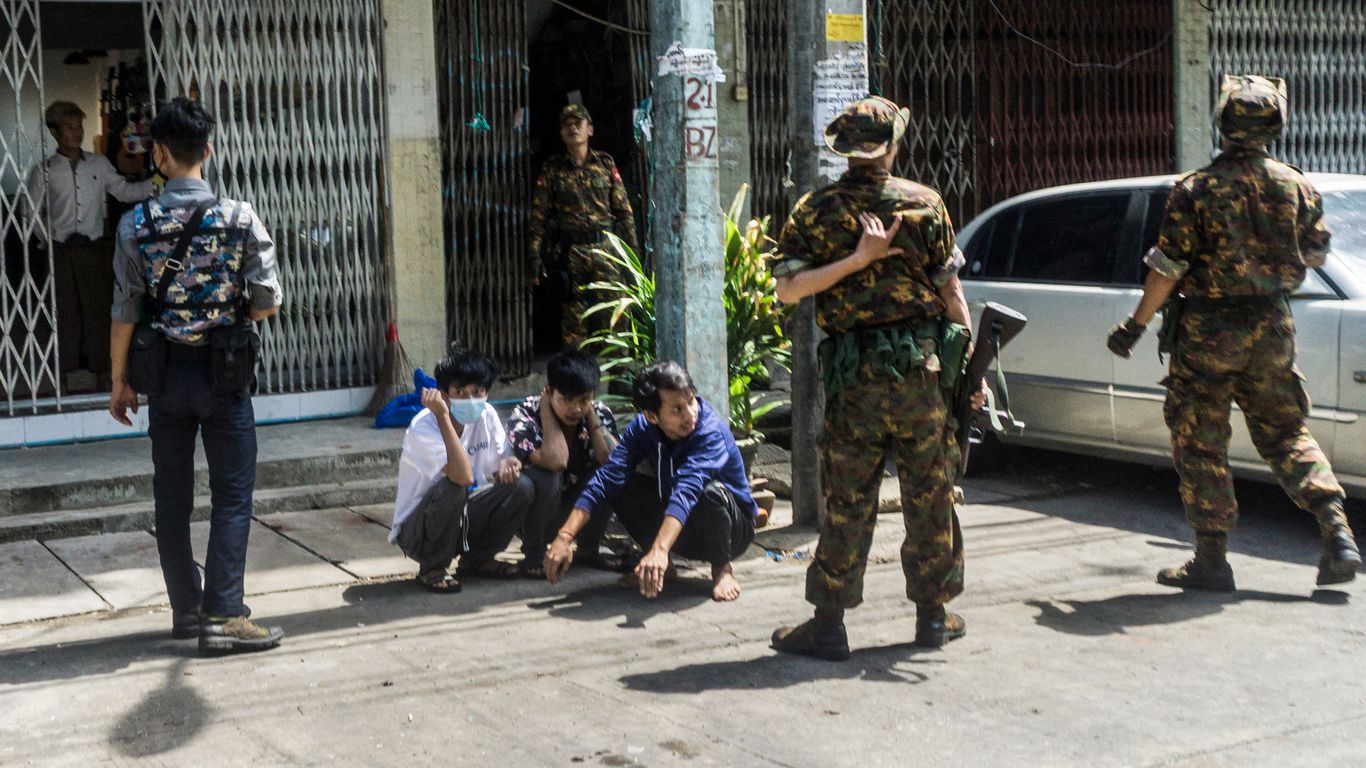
{"x":505,"y":70}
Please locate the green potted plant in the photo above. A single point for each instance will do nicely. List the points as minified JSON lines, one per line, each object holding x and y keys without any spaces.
{"x":754,"y":335}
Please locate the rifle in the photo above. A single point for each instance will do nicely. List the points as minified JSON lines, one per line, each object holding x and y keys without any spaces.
{"x":998,"y":325}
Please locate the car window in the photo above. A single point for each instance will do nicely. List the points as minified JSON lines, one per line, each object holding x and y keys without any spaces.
{"x":1070,"y":240}
{"x":1152,"y":225}
{"x":1345,"y":214}
{"x":992,"y":247}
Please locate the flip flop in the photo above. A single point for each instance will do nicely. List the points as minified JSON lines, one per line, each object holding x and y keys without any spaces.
{"x":531,"y":570}
{"x":445,"y":584}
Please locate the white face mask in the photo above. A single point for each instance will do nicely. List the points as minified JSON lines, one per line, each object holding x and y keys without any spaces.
{"x":468,"y":411}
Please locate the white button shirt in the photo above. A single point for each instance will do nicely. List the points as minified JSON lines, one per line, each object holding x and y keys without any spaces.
{"x":75,"y":196}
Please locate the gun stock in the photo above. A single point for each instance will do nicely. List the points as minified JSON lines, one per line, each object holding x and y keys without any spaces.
{"x":997,"y":327}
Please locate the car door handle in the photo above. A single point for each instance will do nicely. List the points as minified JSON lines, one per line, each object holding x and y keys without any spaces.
{"x":1359,"y":377}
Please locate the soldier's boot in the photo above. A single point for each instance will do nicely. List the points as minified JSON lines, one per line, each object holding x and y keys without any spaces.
{"x":935,"y":626}
{"x":1341,"y":559}
{"x":822,"y":637}
{"x":1209,"y":569}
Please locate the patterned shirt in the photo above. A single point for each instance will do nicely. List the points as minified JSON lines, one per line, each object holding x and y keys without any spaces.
{"x":524,"y":435}
{"x":1245,"y":225}
{"x":578,"y":198}
{"x":824,"y":228}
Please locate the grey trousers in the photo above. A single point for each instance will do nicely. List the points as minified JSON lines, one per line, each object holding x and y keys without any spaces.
{"x":450,"y":520}
{"x":549,"y":510}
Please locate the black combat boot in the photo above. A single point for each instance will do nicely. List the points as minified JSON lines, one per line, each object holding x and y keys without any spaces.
{"x":1209,"y":569}
{"x":935,"y":626}
{"x":823,"y":637}
{"x":1341,"y":559}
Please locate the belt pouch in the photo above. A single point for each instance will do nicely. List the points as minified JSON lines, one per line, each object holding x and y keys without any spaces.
{"x":233,"y":351}
{"x":147,"y":361}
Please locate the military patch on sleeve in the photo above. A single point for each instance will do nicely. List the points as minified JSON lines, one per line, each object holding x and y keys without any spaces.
{"x":616,"y":175}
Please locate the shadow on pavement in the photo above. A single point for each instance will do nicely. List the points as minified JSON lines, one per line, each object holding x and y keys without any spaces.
{"x":882,"y":664}
{"x":89,"y":657}
{"x":604,"y":602}
{"x":166,"y":719}
{"x":1144,"y":499}
{"x":1115,"y":615}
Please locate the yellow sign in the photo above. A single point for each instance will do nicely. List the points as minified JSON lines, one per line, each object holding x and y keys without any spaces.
{"x":844,"y":27}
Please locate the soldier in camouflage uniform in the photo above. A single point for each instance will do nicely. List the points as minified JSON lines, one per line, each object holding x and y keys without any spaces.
{"x":1236,"y":240}
{"x":578,"y":199}
{"x":877,"y":252}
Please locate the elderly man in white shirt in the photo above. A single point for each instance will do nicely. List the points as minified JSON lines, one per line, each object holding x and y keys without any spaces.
{"x":82,"y":256}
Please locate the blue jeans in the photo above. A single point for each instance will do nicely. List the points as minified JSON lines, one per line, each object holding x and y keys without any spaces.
{"x":186,"y":406}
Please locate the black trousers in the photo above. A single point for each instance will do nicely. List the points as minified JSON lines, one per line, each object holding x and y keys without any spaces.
{"x":451,"y":520}
{"x":716,"y":531}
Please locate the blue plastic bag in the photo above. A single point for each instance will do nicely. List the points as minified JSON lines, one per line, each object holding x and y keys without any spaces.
{"x":399,"y":411}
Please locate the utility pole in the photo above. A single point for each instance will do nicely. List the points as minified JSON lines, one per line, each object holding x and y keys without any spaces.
{"x":688,"y":249}
{"x":1194,"y":106}
{"x":827,"y":69}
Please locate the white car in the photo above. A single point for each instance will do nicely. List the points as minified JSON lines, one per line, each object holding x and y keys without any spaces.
{"x":1070,"y":259}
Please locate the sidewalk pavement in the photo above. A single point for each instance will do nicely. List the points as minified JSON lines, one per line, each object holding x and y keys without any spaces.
{"x":1074,"y":657}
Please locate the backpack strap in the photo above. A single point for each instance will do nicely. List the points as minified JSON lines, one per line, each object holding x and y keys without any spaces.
{"x":176,"y":263}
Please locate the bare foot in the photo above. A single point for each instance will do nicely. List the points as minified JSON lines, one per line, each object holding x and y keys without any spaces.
{"x":724,"y":587}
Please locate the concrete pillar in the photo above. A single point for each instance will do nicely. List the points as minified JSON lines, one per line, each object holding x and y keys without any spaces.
{"x":732,"y":103}
{"x":817,"y":33}
{"x":416,"y":234}
{"x":690,"y":317}
{"x":1194,"y":102}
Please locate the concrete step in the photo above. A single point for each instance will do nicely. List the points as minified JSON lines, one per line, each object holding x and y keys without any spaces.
{"x":98,"y":492}
{"x":140,"y":515}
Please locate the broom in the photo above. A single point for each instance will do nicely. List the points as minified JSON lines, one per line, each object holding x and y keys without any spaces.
{"x":396,"y":370}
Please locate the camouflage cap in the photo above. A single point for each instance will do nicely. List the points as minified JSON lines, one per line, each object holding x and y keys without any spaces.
{"x":1252,"y":109}
{"x":868,"y":128}
{"x":574,"y":112}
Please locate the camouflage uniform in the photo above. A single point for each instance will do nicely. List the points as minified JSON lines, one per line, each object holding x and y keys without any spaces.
{"x":886,"y":405}
{"x":572,"y":208}
{"x":1238,"y":236}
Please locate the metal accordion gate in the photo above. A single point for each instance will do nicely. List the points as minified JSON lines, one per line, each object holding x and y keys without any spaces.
{"x":1005,"y":95}
{"x":1012,"y":95}
{"x":297,"y":90}
{"x":1320,"y":50}
{"x":482,"y":87}
{"x":770,"y":146}
{"x":28,"y":321}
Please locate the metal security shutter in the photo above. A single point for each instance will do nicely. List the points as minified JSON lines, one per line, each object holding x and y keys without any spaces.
{"x":297,"y":90}
{"x":926,"y":62}
{"x":770,"y":145}
{"x":1320,"y":49}
{"x":994,"y":114}
{"x":482,"y":87}
{"x":28,"y":320}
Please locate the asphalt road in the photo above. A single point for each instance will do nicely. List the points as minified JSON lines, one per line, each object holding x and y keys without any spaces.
{"x":1074,"y":657}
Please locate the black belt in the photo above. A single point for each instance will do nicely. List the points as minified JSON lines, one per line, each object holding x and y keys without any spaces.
{"x":187,"y":352}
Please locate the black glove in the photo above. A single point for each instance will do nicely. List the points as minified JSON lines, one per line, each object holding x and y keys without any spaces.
{"x":1124,"y":336}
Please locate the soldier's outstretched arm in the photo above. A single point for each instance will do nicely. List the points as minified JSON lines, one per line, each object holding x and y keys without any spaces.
{"x":872,"y":248}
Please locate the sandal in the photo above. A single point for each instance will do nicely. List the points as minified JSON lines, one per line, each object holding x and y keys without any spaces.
{"x":603,"y":562}
{"x":444,"y":584}
{"x":489,"y":569}
{"x":529,"y":570}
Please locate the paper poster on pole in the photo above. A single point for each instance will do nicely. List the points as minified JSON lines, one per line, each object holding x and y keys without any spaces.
{"x":844,"y":27}
{"x":839,"y":81}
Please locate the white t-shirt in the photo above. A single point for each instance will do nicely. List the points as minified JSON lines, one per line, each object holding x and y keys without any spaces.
{"x":424,"y":456}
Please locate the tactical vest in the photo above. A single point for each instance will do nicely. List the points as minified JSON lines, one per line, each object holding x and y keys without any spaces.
{"x":207,"y":292}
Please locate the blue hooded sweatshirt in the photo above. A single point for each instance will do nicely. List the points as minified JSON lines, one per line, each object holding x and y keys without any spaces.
{"x":681,"y":468}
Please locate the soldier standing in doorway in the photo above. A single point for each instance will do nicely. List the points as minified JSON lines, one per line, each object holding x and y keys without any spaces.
{"x":578,"y":199}
{"x":1237,"y":238}
{"x":877,"y":252}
